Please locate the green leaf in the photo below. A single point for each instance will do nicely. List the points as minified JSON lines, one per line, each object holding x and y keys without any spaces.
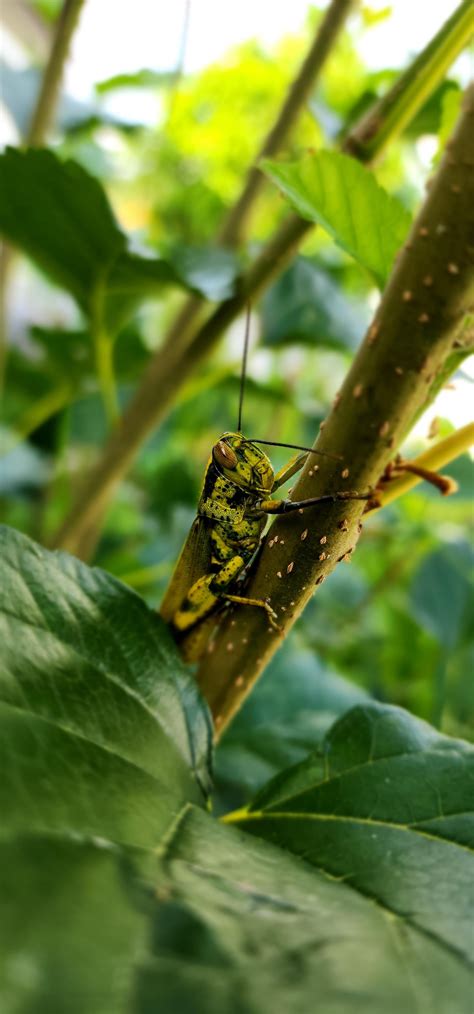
{"x":387,"y":805}
{"x":70,"y":932}
{"x":210,"y":270}
{"x":144,"y":78}
{"x":90,"y":684}
{"x":306,"y":306}
{"x":20,"y":88}
{"x":261,"y":742}
{"x":339,"y":194}
{"x":250,"y":928}
{"x":441,"y":593}
{"x":121,"y":894}
{"x":220,"y":923}
{"x":59,"y":215}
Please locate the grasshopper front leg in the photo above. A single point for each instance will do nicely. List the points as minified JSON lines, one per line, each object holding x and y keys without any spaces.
{"x":286,"y":506}
{"x":294,"y":465}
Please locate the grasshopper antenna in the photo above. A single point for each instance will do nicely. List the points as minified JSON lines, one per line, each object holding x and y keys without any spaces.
{"x":244,"y":369}
{"x":295,"y":447}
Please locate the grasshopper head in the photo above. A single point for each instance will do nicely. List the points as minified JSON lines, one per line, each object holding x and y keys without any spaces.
{"x":243,"y":463}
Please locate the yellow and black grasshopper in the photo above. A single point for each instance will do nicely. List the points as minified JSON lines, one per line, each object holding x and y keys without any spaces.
{"x":235,"y":502}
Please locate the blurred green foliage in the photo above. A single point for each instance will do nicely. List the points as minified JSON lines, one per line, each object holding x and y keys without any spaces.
{"x":393,"y":624}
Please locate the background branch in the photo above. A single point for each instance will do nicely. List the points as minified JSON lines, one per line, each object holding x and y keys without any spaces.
{"x":430,"y":291}
{"x":45,"y":108}
{"x":187,"y":344}
{"x":237,"y":219}
{"x":41,"y":121}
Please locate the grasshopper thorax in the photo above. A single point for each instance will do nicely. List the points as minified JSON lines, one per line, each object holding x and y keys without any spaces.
{"x":243,"y":463}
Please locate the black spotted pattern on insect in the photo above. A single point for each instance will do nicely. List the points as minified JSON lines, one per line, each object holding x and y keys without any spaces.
{"x":231,"y":517}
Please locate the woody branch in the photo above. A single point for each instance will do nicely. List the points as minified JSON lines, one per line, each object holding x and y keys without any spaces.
{"x":430,"y":291}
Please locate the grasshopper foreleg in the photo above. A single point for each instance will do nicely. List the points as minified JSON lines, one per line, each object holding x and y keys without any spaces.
{"x":285,"y":506}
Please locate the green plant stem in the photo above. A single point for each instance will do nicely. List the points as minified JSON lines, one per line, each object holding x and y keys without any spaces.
{"x":413,"y":88}
{"x":46,"y":103}
{"x":104,"y":355}
{"x":185,"y":346}
{"x":405,"y":347}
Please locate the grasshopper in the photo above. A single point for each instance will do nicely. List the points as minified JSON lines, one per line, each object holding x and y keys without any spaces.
{"x":233,"y":509}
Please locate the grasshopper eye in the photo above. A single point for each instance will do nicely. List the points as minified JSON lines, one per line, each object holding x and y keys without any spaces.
{"x":224,"y":455}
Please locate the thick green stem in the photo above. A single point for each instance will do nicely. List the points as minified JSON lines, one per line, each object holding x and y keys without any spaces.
{"x":183,"y":349}
{"x":430,"y":291}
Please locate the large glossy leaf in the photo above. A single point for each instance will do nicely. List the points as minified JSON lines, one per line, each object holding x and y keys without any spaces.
{"x":121,"y":895}
{"x":343,"y":197}
{"x":387,"y":805}
{"x":214,"y":922}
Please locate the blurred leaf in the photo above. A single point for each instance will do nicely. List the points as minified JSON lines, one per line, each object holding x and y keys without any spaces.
{"x":72,"y":925}
{"x":59,"y":215}
{"x":222,"y":924}
{"x":432,"y":117}
{"x":440,"y":592}
{"x":344,"y":197}
{"x":19,"y":92}
{"x":305,"y":306}
{"x":144,"y":78}
{"x":257,"y":930}
{"x":260,"y":741}
{"x":49,"y":9}
{"x":209,"y":270}
{"x":450,"y":108}
{"x":64,"y":352}
{"x":22,"y":468}
{"x":371,"y":17}
{"x":462,"y":471}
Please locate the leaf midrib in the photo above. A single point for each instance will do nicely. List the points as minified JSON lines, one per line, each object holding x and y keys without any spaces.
{"x":338,"y":775}
{"x":283,"y":815}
